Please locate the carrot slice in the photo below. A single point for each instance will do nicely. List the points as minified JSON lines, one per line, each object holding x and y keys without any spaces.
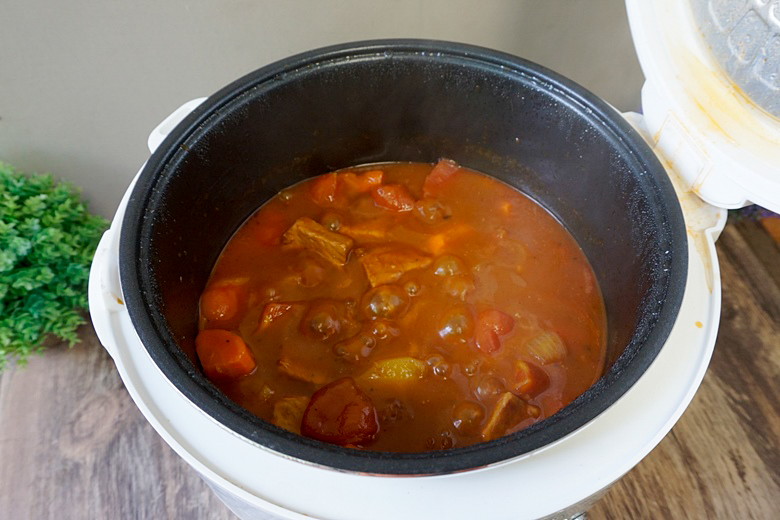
{"x":393,"y":197}
{"x":440,"y":174}
{"x":220,"y":304}
{"x":223,"y":354}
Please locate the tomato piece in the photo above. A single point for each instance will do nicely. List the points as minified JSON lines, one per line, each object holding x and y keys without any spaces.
{"x":340,"y":413}
{"x":487,"y":340}
{"x":393,"y":197}
{"x":439,"y":175}
{"x":490,"y":325}
{"x":220,"y":304}
{"x":364,"y":182}
{"x":223,"y":354}
{"x":323,"y":189}
{"x":499,"y":321}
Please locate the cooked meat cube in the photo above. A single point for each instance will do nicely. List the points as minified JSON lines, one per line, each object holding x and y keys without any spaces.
{"x":387,"y":264}
{"x":288,"y":413}
{"x":307,"y":233}
{"x":509,"y":411}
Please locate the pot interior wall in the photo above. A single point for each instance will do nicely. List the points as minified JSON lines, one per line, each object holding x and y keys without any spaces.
{"x":500,"y":116}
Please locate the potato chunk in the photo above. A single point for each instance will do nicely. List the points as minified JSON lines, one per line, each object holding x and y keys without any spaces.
{"x":509,"y":411}
{"x":385,"y":265}
{"x":288,"y":413}
{"x":396,"y":370}
{"x":311,"y":235}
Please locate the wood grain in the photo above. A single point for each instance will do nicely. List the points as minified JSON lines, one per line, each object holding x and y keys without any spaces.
{"x":73,"y":445}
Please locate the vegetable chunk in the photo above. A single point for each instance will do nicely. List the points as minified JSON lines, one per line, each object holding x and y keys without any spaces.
{"x":288,"y":413}
{"x":223,"y":354}
{"x":440,"y":174}
{"x":491,"y":325}
{"x":220,"y":304}
{"x":393,"y":197}
{"x":323,"y":189}
{"x":340,"y":413}
{"x":362,"y":183}
{"x":397,"y":370}
{"x":311,"y":235}
{"x":385,"y":265}
{"x":547,"y":347}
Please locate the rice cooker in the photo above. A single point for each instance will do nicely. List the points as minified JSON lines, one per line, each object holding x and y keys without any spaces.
{"x":710,"y":114}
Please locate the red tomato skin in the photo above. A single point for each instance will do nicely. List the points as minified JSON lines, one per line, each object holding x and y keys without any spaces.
{"x":499,"y":321}
{"x":439,"y":175}
{"x":487,"y":340}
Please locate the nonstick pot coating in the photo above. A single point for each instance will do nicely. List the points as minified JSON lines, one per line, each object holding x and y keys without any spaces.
{"x":404,"y":100}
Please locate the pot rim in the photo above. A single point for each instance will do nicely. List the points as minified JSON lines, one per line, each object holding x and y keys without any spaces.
{"x":179,"y":370}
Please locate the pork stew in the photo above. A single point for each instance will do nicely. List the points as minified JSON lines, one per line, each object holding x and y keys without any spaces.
{"x":402,"y":307}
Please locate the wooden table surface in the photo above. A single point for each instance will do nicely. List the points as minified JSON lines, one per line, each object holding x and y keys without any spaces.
{"x":73,"y":445}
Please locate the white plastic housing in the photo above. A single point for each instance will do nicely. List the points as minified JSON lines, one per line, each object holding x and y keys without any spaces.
{"x":556,"y":481}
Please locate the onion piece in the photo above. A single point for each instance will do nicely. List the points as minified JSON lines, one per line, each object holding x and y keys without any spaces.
{"x":546,"y":347}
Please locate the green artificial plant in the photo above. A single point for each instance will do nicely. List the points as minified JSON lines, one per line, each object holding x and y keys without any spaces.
{"x":47,"y":240}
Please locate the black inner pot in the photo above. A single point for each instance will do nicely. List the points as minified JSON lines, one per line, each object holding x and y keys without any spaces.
{"x":404,"y":100}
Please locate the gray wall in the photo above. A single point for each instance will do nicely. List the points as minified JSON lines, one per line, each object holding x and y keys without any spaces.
{"x":82,"y":82}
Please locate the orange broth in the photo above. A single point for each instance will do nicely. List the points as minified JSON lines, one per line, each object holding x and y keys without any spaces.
{"x":402,"y":307}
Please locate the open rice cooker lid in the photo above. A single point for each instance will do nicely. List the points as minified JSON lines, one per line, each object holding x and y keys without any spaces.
{"x":711,"y":101}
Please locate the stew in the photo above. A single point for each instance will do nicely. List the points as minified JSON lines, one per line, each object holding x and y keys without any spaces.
{"x":402,"y":307}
